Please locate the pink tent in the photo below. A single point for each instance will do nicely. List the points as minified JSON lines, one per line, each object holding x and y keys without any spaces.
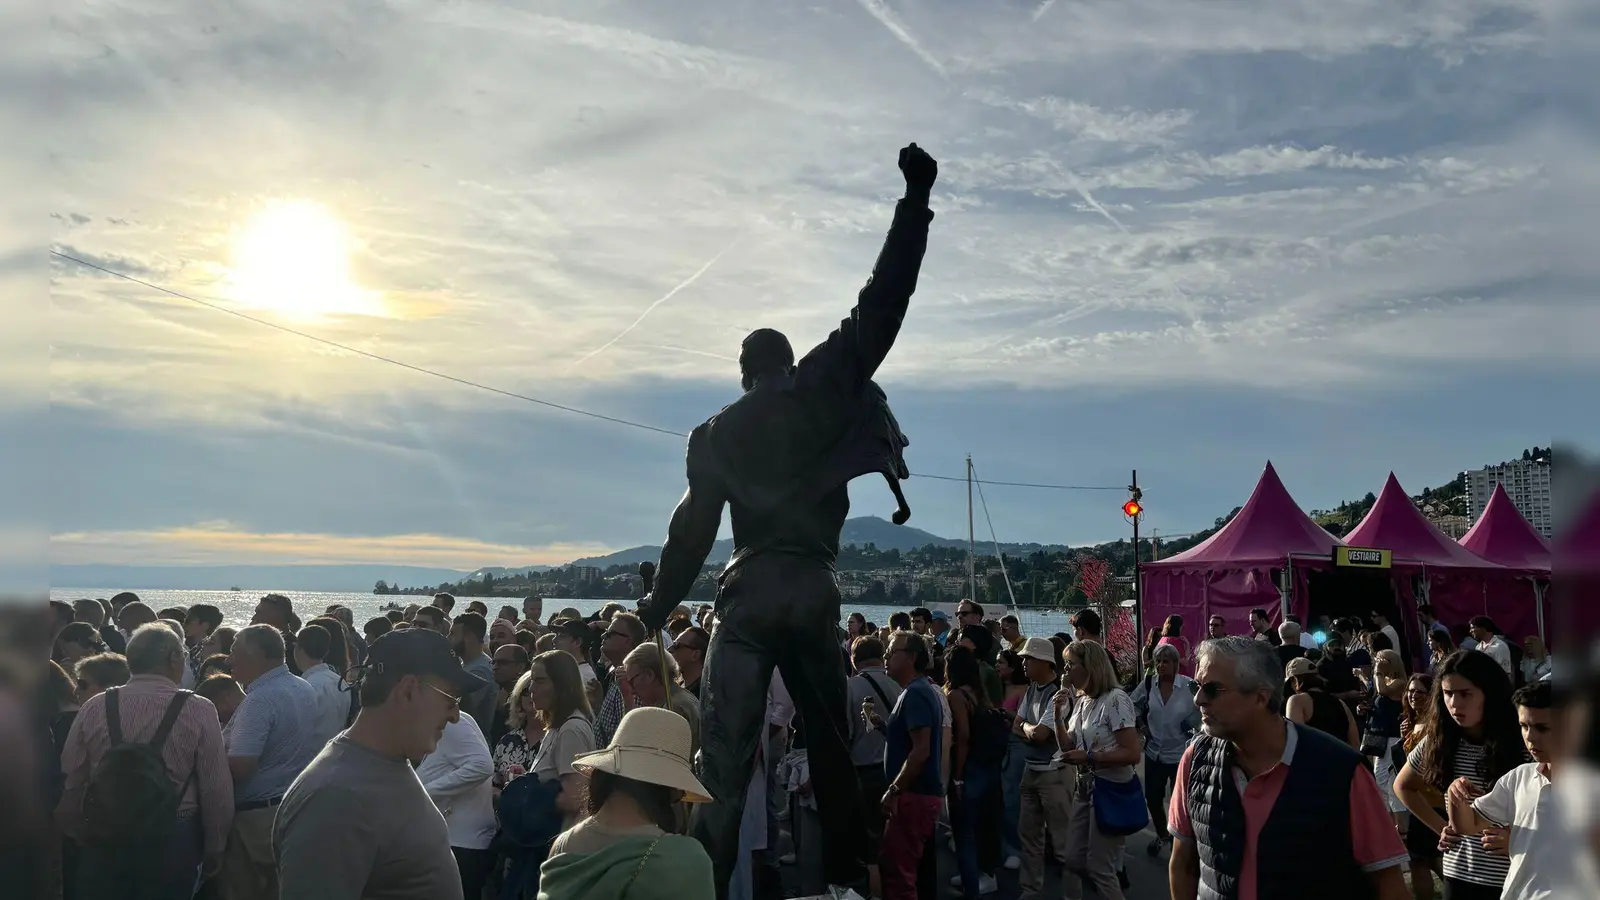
{"x":1457,"y":582}
{"x":1231,"y":572}
{"x":1577,"y":591}
{"x":1503,"y":536}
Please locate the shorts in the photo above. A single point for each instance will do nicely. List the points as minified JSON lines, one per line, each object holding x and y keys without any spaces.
{"x":1421,"y":842}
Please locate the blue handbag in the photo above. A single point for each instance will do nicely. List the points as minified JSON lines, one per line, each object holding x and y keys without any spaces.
{"x":1119,"y":808}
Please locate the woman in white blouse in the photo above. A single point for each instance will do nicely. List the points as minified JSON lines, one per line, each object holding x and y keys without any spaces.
{"x":1164,"y":702}
{"x":456,"y":777}
{"x":1100,"y":738}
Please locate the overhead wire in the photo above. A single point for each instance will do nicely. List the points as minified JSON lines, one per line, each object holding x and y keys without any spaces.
{"x":466,"y":382}
{"x":1004,"y":572}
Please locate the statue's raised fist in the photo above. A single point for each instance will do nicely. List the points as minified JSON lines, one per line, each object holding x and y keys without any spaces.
{"x":918,"y":167}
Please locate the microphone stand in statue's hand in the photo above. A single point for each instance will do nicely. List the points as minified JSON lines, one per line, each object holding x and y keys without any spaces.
{"x":647,"y":575}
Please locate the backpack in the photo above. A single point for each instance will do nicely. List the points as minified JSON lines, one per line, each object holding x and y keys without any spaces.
{"x":130,"y":797}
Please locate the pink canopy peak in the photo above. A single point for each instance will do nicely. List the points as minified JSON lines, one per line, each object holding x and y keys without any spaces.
{"x":1268,"y":528}
{"x":1502,"y":535}
{"x":1395,"y":524}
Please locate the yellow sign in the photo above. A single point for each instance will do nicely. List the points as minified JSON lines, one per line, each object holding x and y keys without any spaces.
{"x":1362,"y":557}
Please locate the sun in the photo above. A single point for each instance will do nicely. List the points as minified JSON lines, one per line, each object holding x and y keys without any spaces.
{"x":293,"y":258}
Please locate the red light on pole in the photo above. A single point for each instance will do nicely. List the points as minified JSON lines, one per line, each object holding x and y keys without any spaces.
{"x":1132,"y":509}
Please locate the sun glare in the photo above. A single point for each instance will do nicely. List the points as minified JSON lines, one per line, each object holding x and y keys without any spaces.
{"x":293,"y":258}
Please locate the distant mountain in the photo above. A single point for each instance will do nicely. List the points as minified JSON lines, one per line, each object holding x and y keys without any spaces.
{"x":333,"y":578}
{"x":502,"y":571}
{"x":883,"y":534}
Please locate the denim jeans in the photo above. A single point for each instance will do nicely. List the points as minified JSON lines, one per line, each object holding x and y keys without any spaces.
{"x":975,"y":791}
{"x":1011,"y":769}
{"x":1158,"y":776}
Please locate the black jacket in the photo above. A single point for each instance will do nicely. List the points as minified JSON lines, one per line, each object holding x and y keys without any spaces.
{"x":782,"y":455}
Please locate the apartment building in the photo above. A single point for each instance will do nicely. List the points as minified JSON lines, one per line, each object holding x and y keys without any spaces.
{"x":1527,"y":483}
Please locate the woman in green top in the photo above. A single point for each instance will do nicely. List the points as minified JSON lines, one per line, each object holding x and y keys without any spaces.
{"x":626,"y":848}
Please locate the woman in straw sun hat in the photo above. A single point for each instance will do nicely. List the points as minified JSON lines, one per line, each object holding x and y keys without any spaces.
{"x":625,"y":848}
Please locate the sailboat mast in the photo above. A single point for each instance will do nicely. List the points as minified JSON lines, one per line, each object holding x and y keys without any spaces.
{"x":972,"y":544}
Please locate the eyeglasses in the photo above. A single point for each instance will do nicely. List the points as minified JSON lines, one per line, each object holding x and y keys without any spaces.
{"x":1211,"y":689}
{"x":455,"y":702}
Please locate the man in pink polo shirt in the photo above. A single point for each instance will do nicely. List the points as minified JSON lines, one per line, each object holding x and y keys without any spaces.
{"x":1264,"y":808}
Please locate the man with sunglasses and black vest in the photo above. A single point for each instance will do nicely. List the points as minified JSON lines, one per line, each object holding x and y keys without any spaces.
{"x":1265,"y":808}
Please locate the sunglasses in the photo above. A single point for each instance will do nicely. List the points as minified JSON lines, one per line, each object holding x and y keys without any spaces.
{"x":1212,"y":689}
{"x":455,"y":702}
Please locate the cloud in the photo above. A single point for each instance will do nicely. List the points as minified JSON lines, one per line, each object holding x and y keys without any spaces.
{"x":216,"y":543}
{"x":1133,"y":195}
{"x":117,"y":263}
{"x":1084,"y":120}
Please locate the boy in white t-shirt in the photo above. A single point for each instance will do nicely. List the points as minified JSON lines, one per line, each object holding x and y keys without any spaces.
{"x":1517,"y":813}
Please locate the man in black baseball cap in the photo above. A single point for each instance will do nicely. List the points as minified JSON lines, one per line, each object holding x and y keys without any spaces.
{"x":411,"y":687}
{"x":357,"y":822}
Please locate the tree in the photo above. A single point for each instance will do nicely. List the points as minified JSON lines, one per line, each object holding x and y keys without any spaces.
{"x":875,"y":594}
{"x":382,"y":587}
{"x":900,"y":594}
{"x":995,"y":592}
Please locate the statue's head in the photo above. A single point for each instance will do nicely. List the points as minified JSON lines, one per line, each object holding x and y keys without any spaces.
{"x":764,"y":352}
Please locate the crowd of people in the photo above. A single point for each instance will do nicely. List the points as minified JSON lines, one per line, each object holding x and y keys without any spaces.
{"x":432,"y":753}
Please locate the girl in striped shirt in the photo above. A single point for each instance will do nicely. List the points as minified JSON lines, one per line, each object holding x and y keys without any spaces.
{"x":1474,"y":735}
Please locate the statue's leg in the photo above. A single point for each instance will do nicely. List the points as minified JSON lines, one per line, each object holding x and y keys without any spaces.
{"x":813,"y":670}
{"x":733,"y":706}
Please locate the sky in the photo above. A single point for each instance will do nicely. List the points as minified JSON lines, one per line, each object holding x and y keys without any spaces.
{"x":1177,"y":237}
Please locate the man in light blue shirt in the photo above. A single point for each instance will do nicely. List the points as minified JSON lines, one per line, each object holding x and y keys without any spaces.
{"x":272,"y":738}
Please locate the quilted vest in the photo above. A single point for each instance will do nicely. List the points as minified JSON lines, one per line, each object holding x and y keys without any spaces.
{"x":1304,"y":850}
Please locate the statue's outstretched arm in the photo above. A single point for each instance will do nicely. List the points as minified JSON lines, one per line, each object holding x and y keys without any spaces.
{"x":851,"y":355}
{"x":690,"y":535}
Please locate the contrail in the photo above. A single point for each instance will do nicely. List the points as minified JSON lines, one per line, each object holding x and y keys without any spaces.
{"x":886,"y":17}
{"x":707,"y":353}
{"x":1043,"y":8}
{"x":652,"y":307}
{"x":1093,"y":203}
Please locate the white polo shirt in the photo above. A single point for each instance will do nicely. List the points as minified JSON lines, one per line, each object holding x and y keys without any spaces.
{"x":1539,"y":863}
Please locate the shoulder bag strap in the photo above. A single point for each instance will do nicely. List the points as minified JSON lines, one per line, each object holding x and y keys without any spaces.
{"x":174,"y":709}
{"x":113,"y":716}
{"x":649,"y":852}
{"x":887,"y":706}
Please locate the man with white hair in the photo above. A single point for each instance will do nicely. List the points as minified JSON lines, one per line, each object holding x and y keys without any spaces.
{"x":641,"y":669}
{"x":1291,"y":648}
{"x":183,"y":729}
{"x":1257,"y":796}
{"x":272,"y":738}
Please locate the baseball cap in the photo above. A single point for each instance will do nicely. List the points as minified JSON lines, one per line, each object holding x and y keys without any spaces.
{"x":420,"y":651}
{"x":1299,"y":666}
{"x":940,"y":615}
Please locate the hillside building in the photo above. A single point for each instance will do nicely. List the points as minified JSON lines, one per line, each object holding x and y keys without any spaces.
{"x":1527,"y":483}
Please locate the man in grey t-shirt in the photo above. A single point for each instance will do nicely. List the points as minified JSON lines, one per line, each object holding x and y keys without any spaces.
{"x":357,"y":824}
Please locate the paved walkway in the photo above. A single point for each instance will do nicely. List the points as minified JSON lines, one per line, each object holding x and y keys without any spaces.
{"x":1147,"y":875}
